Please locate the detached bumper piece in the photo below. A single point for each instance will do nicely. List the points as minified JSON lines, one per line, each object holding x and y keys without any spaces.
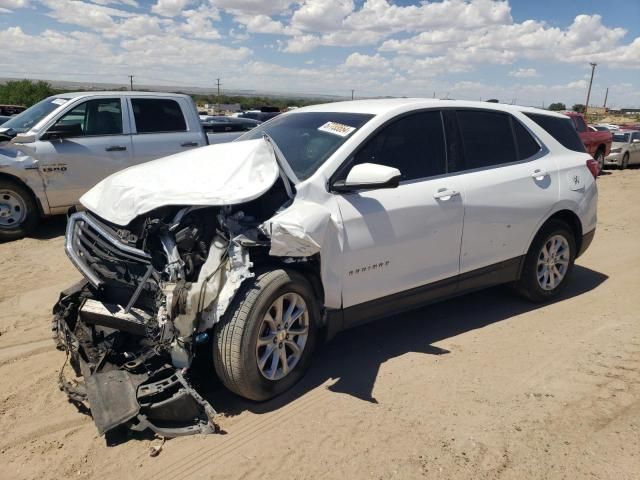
{"x":128,"y":378}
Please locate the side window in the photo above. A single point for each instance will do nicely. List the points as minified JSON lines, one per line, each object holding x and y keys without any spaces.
{"x":487,"y":138}
{"x":96,"y":117}
{"x":413,"y":144}
{"x":562,"y":129}
{"x":579,"y":123}
{"x":635,"y":136}
{"x":153,"y":115}
{"x":527,"y":146}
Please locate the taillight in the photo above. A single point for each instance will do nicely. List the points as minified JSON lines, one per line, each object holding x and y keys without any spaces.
{"x":593,"y":167}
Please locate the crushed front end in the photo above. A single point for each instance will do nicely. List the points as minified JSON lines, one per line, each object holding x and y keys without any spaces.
{"x":151,"y":292}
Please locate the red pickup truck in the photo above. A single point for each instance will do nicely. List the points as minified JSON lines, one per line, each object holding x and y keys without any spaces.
{"x":598,"y":144}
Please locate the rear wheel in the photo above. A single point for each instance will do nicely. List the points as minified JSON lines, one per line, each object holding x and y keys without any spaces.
{"x":549,"y":262}
{"x":264,"y":344}
{"x":18,"y":211}
{"x":625,"y":161}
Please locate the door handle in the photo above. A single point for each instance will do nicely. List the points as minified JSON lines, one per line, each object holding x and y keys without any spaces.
{"x":116,"y":148}
{"x":445,"y":194}
{"x":189,"y":144}
{"x":539,"y":174}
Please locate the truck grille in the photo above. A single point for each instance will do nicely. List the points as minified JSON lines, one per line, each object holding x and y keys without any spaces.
{"x":99,"y":255}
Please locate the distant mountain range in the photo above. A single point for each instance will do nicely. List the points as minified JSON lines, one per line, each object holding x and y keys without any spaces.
{"x":83,"y":85}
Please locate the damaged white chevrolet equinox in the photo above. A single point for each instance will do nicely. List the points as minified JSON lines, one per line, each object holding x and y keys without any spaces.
{"x":318,"y":220}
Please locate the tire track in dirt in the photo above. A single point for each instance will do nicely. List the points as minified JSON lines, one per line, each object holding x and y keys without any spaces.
{"x":246,"y":432}
{"x":22,"y":351}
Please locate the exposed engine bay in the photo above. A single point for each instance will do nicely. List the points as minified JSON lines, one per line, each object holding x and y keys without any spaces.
{"x":153,"y":291}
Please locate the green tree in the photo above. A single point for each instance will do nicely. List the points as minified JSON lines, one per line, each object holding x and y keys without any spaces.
{"x":24,"y":92}
{"x":556,"y":107}
{"x":578,"y":107}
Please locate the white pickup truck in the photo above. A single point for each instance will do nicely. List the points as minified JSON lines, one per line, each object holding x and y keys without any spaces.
{"x":59,"y":148}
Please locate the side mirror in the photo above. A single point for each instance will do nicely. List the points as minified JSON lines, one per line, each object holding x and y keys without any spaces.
{"x":62,"y":130}
{"x":368,"y":176}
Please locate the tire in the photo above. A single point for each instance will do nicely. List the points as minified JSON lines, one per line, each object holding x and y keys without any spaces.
{"x":599,"y":157}
{"x":19,"y":214}
{"x":625,"y":161}
{"x":235,"y":344}
{"x":529,"y":285}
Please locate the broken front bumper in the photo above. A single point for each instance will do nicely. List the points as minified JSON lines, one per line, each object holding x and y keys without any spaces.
{"x":128,"y":378}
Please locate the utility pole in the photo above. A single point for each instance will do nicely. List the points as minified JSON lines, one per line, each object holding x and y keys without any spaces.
{"x":352,"y":92}
{"x":606,"y":95}
{"x":218,"y":97}
{"x":131,"y":82}
{"x":586,"y":105}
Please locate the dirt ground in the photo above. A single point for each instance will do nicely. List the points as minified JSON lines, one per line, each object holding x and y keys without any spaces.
{"x":483,"y":386}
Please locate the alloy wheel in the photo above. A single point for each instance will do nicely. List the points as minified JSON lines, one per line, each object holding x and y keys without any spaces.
{"x":553,"y":262}
{"x":282,"y":336}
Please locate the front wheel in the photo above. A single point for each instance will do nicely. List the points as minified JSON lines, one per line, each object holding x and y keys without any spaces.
{"x":18,"y":211}
{"x":549,"y":262}
{"x":625,"y":161}
{"x":265,"y":341}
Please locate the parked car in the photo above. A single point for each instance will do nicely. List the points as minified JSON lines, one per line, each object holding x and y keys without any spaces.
{"x":321,"y":219}
{"x":257,"y":115}
{"x":222,"y":129}
{"x":9,"y":110}
{"x":598,"y":128}
{"x":598,"y":144}
{"x":608,"y":126}
{"x":57,"y":149}
{"x":625,"y":150}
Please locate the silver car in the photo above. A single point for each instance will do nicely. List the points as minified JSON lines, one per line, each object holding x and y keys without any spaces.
{"x":625,"y":149}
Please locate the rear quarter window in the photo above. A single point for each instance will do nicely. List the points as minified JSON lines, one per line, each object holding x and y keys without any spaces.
{"x":562,"y":129}
{"x":487,"y":138}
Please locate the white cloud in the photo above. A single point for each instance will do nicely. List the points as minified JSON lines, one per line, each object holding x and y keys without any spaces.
{"x":260,"y":24}
{"x":524,"y":73}
{"x":8,"y":5}
{"x":169,"y":8}
{"x":129,"y":3}
{"x":254,"y":7}
{"x":321,"y":15}
{"x":384,"y":16}
{"x":585,"y":39}
{"x":88,"y":15}
{"x":358,"y":60}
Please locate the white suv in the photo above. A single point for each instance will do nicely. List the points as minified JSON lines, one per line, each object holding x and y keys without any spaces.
{"x":318,"y":220}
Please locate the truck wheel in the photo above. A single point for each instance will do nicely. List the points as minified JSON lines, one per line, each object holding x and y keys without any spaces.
{"x":18,"y":211}
{"x":264,"y":343}
{"x":599,"y":157}
{"x":549,"y":262}
{"x":625,"y":161}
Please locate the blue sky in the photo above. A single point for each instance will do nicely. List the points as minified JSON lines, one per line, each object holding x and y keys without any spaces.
{"x":531,"y":52}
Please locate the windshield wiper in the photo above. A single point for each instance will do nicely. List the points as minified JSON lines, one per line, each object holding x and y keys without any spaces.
{"x":288,"y":184}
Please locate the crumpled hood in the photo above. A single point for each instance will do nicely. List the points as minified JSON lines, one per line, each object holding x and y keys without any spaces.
{"x":223,"y":174}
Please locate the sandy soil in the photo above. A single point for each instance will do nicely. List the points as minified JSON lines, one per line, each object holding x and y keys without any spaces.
{"x":483,"y":386}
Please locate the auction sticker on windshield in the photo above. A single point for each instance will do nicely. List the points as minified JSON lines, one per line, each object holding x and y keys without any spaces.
{"x":337,"y":129}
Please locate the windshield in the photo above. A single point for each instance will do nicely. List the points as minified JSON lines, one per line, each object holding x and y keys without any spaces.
{"x":32,"y":115}
{"x":621,"y":137}
{"x":308,"y":139}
